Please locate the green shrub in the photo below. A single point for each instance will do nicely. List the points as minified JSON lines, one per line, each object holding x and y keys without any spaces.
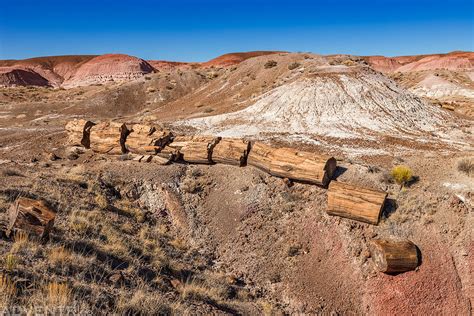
{"x":402,"y":175}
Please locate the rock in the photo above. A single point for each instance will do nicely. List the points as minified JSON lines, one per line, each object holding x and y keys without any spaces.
{"x":53,"y":157}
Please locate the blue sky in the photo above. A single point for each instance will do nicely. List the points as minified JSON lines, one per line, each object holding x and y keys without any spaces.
{"x":201,"y":30}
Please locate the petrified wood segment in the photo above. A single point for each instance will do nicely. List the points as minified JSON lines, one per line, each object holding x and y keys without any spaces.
{"x":302,"y":166}
{"x":354,"y":202}
{"x":146,"y":139}
{"x":195,"y":149}
{"x":79,"y":132}
{"x":231,"y":151}
{"x":30,"y":215}
{"x":109,"y":138}
{"x":394,"y":256}
{"x":260,"y":156}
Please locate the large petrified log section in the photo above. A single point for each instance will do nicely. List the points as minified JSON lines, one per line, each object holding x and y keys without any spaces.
{"x":194,"y":149}
{"x":392,"y":256}
{"x":354,"y":202}
{"x":146,"y":139}
{"x":109,"y":138}
{"x":260,"y":156}
{"x":79,"y":132}
{"x":30,"y":215}
{"x":231,"y":151}
{"x":302,"y":166}
{"x":292,"y":164}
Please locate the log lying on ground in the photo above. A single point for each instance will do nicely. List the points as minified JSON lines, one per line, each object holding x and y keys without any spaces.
{"x":194,"y":149}
{"x":354,"y":202}
{"x":79,"y":132}
{"x":109,"y":138}
{"x":392,"y":256}
{"x":30,"y":215}
{"x":302,"y":166}
{"x":231,"y":151}
{"x":292,"y":164}
{"x":146,"y":139}
{"x":260,"y":156}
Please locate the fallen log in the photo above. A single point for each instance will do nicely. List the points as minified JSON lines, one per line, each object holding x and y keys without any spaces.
{"x":195,"y":149}
{"x":260,"y":156}
{"x":391,"y":256}
{"x":231,"y":151}
{"x":79,"y":132}
{"x":354,"y":202}
{"x":146,"y":139}
{"x":32,"y":216}
{"x":109,"y":138}
{"x":302,"y":166}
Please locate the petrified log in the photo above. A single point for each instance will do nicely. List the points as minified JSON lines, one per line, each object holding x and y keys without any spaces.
{"x":231,"y":151}
{"x":354,"y":202}
{"x":260,"y":156}
{"x":195,"y":149}
{"x":109,"y":138}
{"x":30,"y":215}
{"x":392,"y":256}
{"x":79,"y":132}
{"x":146,"y":139}
{"x":302,"y":166}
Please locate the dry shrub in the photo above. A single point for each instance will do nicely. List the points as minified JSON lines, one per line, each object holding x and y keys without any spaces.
{"x":270,"y":64}
{"x":466,"y":165}
{"x":402,"y":175}
{"x":293,"y":65}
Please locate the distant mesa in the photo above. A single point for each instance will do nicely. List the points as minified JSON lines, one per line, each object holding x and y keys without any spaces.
{"x":450,"y":61}
{"x":109,"y":67}
{"x":231,"y":59}
{"x":82,"y":70}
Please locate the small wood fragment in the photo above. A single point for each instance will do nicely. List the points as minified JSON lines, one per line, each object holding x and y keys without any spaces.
{"x":394,"y":256}
{"x":32,"y":216}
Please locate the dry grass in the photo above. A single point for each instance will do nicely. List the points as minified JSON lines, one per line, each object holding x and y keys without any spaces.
{"x":8,"y":290}
{"x":194,"y":289}
{"x":178,"y":243}
{"x":57,"y":294}
{"x":10,"y":262}
{"x":466,"y":165}
{"x":59,"y":256}
{"x":20,"y":239}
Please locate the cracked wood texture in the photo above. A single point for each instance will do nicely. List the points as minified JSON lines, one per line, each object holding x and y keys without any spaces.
{"x":109,"y":138}
{"x":231,"y":151}
{"x":302,"y":166}
{"x":79,"y":132}
{"x":354,"y":202}
{"x":195,"y":149}
{"x":30,"y":215}
{"x":394,"y":256}
{"x":292,"y":164}
{"x":260,"y":156}
{"x":146,"y":139}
